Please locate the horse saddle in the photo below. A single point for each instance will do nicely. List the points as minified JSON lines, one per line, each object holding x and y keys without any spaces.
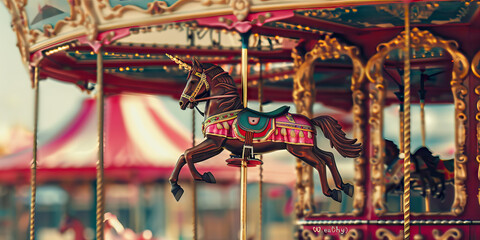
{"x":250,"y":120}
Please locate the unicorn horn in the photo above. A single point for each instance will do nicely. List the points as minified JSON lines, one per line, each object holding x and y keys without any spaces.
{"x":180,"y":63}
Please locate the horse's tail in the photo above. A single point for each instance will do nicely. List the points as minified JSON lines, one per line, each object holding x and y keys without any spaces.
{"x":333,"y":131}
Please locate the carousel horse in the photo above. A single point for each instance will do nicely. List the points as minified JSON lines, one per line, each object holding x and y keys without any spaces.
{"x":427,"y":171}
{"x":228,"y":125}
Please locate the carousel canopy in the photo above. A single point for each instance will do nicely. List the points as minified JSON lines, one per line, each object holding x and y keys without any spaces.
{"x":143,"y":140}
{"x":64,"y":36}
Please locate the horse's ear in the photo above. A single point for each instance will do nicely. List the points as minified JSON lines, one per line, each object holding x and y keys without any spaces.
{"x":197,"y":66}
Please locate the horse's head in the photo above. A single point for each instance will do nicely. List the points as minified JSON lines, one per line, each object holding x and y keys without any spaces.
{"x":391,"y":152}
{"x":197,"y":85}
{"x":394,"y":169}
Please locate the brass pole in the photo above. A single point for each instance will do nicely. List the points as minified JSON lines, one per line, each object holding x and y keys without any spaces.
{"x":194,"y":184}
{"x":243,"y":169}
{"x":100,"y":163}
{"x":422,"y":126}
{"x":33,"y":167}
{"x":406,"y":163}
{"x":260,"y":181}
{"x":244,"y":76}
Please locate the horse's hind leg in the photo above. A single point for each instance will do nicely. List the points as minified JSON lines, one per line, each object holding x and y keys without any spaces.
{"x":330,"y":162}
{"x":306,"y":154}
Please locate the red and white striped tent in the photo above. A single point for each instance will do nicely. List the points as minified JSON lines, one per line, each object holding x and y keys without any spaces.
{"x":143,"y":141}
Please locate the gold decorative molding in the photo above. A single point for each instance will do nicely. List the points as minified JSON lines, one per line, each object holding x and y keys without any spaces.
{"x":240,"y":8}
{"x":383,"y":233}
{"x":353,"y":234}
{"x":304,"y":97}
{"x":452,"y":233}
{"x":377,"y":95}
{"x":418,"y":236}
{"x":310,"y":235}
{"x":19,"y":26}
{"x":474,"y":65}
{"x":91,"y":20}
{"x":153,"y":8}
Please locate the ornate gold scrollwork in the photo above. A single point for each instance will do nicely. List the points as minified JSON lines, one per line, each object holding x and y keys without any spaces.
{"x":304,"y":97}
{"x":240,"y":8}
{"x":153,"y":8}
{"x":81,"y":14}
{"x":19,"y":26}
{"x":454,"y":233}
{"x":383,"y":233}
{"x":310,"y":235}
{"x":374,"y":73}
{"x":474,"y":67}
{"x":353,"y":234}
{"x":418,"y":236}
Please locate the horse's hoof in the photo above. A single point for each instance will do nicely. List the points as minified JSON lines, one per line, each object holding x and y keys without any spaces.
{"x":348,"y":189}
{"x":177,"y":191}
{"x":336,"y":195}
{"x":208,"y":177}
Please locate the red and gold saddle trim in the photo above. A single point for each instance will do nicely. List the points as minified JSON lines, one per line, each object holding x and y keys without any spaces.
{"x":220,"y":119}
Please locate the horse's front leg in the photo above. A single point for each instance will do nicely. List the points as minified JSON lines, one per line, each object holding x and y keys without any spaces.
{"x":176,"y":190}
{"x":207,"y":149}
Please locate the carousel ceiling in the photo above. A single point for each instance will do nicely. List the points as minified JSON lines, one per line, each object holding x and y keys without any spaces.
{"x":136,"y":34}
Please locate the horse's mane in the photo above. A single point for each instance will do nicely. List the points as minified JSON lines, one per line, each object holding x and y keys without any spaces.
{"x":224,"y":81}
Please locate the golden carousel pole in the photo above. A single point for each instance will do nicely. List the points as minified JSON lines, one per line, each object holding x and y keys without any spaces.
{"x":260,"y":181}
{"x":194,"y":185}
{"x":33,"y":167}
{"x":100,"y":164}
{"x":423,"y":132}
{"x":406,"y":163}
{"x":243,"y":169}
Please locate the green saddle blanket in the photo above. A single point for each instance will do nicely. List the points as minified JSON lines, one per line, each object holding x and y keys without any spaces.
{"x":254,"y":121}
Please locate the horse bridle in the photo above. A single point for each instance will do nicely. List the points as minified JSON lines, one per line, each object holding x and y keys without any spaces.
{"x":203,"y":81}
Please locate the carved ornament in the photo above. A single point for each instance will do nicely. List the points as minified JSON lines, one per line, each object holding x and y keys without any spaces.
{"x":304,"y":97}
{"x":475,"y":65}
{"x":452,"y":233}
{"x":374,"y":68}
{"x":383,"y":233}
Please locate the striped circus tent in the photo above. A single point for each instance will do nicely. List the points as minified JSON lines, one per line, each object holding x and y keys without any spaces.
{"x":143,"y":140}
